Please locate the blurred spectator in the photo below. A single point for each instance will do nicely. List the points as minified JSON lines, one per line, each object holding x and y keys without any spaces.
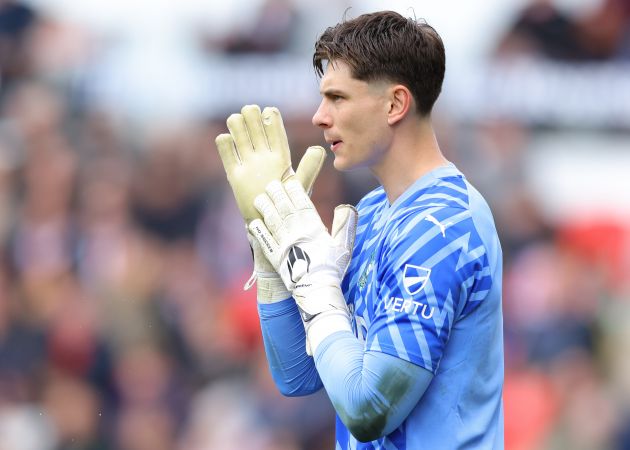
{"x":543,"y":29}
{"x":150,"y":398}
{"x":140,"y":428}
{"x":271,"y":32}
{"x":22,"y":348}
{"x":583,"y":398}
{"x":224,"y":416}
{"x":605,"y":33}
{"x":73,"y":406}
{"x":16,"y":22}
{"x":168,"y":192}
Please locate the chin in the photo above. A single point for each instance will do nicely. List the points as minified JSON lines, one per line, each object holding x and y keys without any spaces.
{"x":341,"y":164}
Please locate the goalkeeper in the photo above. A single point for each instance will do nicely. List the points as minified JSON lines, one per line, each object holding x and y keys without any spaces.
{"x":402,"y":323}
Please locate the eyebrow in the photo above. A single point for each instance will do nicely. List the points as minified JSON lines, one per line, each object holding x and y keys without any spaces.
{"x":332,"y":91}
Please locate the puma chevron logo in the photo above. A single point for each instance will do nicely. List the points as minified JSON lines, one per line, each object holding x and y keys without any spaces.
{"x":442,"y":227}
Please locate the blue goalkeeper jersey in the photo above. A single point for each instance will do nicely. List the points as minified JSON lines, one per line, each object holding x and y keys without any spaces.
{"x":424,"y":285}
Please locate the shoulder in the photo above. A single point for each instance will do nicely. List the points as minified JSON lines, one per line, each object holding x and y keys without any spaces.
{"x":451,"y":191}
{"x":434,"y":208}
{"x":437,"y":221}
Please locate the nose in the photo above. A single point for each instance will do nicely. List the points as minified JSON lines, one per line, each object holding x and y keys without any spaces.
{"x":321,"y":119}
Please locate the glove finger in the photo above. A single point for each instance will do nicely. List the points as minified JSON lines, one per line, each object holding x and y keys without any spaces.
{"x":310,"y":166}
{"x":253,"y":121}
{"x":275,"y":132}
{"x":344,"y":227}
{"x":297,"y":195}
{"x":269,"y":212}
{"x":238,"y":130}
{"x":278,"y":195}
{"x":227,"y":152}
{"x":268,"y":244}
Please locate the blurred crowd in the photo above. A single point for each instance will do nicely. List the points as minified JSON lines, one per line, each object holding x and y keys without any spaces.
{"x":123,"y":322}
{"x":544,"y":29}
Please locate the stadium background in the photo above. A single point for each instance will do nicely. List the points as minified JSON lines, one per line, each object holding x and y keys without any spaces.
{"x":122,"y":320}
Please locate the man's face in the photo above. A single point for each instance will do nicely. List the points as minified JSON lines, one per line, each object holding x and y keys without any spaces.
{"x":353,"y":115}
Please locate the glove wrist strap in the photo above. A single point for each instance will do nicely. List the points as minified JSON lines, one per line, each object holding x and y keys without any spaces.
{"x":324,"y":312}
{"x":270,"y":287}
{"x":325,"y":324}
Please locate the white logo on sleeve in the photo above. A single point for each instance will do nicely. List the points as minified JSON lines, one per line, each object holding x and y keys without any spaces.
{"x":442,"y":227}
{"x":415,"y":278}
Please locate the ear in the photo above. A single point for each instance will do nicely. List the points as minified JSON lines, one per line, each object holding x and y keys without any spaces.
{"x":401,"y":101}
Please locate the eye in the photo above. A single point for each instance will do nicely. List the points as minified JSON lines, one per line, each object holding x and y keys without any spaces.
{"x":334,"y":97}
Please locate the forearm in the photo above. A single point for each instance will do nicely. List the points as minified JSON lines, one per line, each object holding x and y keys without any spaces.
{"x":371,"y":391}
{"x":292,"y":369}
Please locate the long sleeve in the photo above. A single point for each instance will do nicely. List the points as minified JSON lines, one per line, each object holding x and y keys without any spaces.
{"x":372,"y":392}
{"x":293,"y":371}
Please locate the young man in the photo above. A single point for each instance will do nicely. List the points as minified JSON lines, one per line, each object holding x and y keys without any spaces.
{"x":406,"y":337}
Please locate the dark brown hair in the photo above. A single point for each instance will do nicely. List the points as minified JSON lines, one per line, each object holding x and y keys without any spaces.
{"x":387,"y":46}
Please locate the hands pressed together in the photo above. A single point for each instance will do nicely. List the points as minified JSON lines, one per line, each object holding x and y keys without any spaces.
{"x":294,"y":254}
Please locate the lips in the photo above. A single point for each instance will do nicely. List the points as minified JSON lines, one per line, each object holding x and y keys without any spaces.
{"x":335,"y":145}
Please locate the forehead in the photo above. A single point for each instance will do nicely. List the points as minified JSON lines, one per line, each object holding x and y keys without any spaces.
{"x":338,"y":77}
{"x":338,"y":74}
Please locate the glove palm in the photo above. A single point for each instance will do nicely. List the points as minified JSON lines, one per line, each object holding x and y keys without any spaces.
{"x":255,"y":152}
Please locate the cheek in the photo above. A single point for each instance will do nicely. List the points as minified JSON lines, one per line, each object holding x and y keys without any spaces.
{"x":374,"y":121}
{"x":376,"y":135}
{"x":362,"y":124}
{"x":366,"y":128}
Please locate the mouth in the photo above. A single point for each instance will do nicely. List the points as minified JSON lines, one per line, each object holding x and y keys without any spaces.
{"x":334,"y":145}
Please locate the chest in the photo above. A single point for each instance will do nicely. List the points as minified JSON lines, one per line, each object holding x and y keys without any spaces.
{"x":363,"y":278}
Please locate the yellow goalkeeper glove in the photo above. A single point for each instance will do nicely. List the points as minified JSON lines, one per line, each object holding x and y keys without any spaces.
{"x":255,"y":152}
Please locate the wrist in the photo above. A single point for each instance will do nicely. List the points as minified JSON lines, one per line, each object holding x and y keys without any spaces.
{"x":323,"y":310}
{"x":270,"y":288}
{"x":326,"y":324}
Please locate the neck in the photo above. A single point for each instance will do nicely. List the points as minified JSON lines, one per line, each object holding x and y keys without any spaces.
{"x":414,"y":151}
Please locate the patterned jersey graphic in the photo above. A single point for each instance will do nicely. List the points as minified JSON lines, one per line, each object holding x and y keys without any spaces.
{"x":419,"y":267}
